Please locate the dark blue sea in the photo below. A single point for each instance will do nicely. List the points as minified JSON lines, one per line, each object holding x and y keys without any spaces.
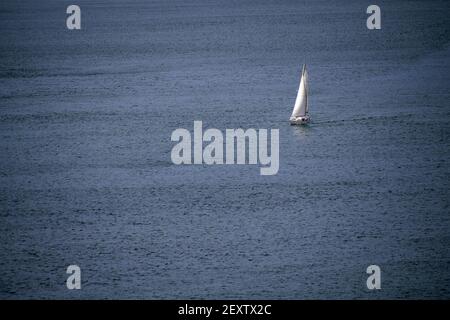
{"x":86,"y":176}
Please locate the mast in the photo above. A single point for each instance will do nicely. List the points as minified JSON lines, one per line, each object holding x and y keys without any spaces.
{"x":305,"y":76}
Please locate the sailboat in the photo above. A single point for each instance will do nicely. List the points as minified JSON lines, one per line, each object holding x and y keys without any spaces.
{"x":301,"y":108}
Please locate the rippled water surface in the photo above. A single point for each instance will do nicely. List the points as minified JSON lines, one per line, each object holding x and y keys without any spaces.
{"x":86,"y":176}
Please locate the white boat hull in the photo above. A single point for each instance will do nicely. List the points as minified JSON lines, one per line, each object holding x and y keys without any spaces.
{"x":299,"y":120}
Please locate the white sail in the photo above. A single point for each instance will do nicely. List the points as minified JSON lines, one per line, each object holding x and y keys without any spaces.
{"x":301,"y":103}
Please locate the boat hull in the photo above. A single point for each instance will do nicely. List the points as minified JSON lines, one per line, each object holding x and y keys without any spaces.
{"x":299,"y":120}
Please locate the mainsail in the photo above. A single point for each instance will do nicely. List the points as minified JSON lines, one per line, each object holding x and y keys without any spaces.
{"x":301,"y":103}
